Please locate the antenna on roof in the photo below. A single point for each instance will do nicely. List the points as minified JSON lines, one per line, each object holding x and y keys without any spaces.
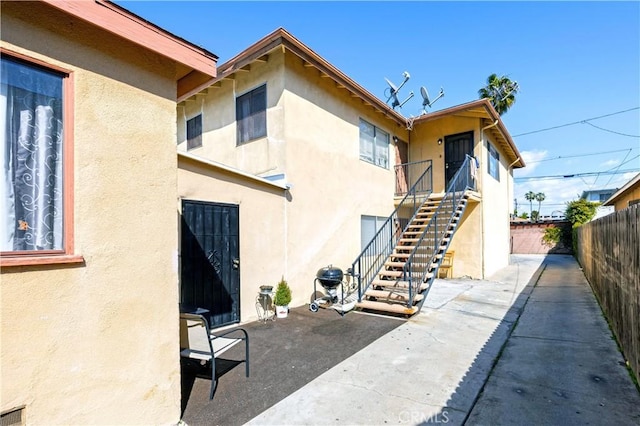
{"x":426,"y":102}
{"x":392,"y":94}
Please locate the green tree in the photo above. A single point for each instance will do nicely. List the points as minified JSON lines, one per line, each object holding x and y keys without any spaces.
{"x":577,"y":213}
{"x":501,"y":91}
{"x":524,"y":215}
{"x":535,"y":215}
{"x":540,"y":198}
{"x":530,"y":196}
{"x":580,"y":211}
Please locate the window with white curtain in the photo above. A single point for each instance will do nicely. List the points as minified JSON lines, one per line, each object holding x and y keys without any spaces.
{"x":374,"y":145}
{"x":31,"y":122}
{"x":251,"y":115}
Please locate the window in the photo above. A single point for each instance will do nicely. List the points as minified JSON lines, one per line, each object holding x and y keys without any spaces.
{"x":604,"y":197}
{"x":251,"y":115}
{"x":194,"y":132}
{"x":369,"y":225}
{"x":494,"y":162}
{"x":374,"y":145}
{"x":36,"y":213}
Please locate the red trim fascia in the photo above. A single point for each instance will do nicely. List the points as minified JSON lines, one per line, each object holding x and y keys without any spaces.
{"x":125,"y":24}
{"x":7,"y":262}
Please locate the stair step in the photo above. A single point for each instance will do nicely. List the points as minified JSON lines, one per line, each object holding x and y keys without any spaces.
{"x":397,"y":284}
{"x":393,"y":295}
{"x":394,"y":274}
{"x":408,"y":240}
{"x":393,"y":308}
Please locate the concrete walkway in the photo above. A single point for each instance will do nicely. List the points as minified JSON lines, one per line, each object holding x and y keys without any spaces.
{"x":497,"y":351}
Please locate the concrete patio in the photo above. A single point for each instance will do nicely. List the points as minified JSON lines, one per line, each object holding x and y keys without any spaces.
{"x":527,"y":346}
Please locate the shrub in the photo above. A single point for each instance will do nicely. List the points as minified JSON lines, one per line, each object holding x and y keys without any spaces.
{"x":283,"y":294}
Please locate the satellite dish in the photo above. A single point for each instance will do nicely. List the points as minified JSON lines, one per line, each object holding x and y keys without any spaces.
{"x":426,"y":102}
{"x":393,"y":91}
{"x":425,"y":97}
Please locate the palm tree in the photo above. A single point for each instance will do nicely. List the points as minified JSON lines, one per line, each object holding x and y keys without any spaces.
{"x":540,"y":198}
{"x":501,"y":92}
{"x":530,"y":196}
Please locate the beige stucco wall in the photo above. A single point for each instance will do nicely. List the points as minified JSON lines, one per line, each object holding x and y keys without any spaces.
{"x":262,"y":210}
{"x":264,"y":156}
{"x":481,"y":242}
{"x":332,"y":188}
{"x":312,"y":138}
{"x":98,"y":343}
{"x":423,"y":145}
{"x":497,"y":199}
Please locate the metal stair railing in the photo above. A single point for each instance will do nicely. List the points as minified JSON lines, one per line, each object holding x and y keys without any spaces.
{"x":423,"y":256}
{"x":370,"y":261}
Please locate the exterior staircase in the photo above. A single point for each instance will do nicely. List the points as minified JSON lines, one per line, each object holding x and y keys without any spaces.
{"x":396,"y":270}
{"x":423,"y":243}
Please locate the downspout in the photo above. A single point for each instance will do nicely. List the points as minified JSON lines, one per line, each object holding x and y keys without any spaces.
{"x":509,"y":174}
{"x":484,"y":246}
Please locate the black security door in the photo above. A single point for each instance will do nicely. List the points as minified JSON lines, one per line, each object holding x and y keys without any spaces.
{"x":210,"y":264}
{"x":456,"y":148}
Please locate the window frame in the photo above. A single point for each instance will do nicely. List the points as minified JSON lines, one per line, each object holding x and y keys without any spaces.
{"x":493,"y":159}
{"x":251,"y":93}
{"x":196,"y":140}
{"x":66,"y":254}
{"x":378,"y":222}
{"x":375,"y":146}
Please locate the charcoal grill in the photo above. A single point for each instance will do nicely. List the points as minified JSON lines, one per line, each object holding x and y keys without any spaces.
{"x":337,"y":293}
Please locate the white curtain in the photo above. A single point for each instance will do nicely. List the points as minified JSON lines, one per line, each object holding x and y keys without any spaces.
{"x":31,"y":124}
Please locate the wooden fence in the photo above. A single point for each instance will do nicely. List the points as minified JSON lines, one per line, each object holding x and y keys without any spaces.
{"x":608,"y":249}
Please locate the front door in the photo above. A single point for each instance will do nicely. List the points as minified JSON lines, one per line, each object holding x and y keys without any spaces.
{"x":210,"y":264}
{"x":456,"y":148}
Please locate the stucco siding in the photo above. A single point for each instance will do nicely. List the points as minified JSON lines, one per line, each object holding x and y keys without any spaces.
{"x":332,"y":187}
{"x":496,"y":199}
{"x":263,"y":222}
{"x":97,"y":343}
{"x":217,"y":104}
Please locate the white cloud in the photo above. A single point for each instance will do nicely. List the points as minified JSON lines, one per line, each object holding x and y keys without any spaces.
{"x":557,"y":193}
{"x":610,"y":163}
{"x":531,"y":159}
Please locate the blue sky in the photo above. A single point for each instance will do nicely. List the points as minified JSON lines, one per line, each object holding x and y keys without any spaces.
{"x":574,"y":61}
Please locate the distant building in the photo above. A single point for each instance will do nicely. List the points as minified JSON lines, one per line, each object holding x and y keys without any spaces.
{"x":599,"y":196}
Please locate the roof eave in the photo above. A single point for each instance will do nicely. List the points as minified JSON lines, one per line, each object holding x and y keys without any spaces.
{"x":611,"y":201}
{"x":119,"y":21}
{"x":231,"y":170}
{"x":492,"y":114}
{"x":281,"y":37}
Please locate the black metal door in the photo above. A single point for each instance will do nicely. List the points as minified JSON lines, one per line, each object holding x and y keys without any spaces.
{"x":210,"y":263}
{"x":456,"y":148}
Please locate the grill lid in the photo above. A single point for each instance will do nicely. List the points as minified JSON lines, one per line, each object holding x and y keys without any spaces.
{"x":329,"y":276}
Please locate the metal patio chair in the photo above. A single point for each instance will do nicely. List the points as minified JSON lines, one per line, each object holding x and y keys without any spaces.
{"x":198,"y":342}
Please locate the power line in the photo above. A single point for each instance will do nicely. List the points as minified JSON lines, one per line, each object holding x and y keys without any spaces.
{"x":575,"y":122}
{"x":580,"y":155}
{"x":611,"y":131}
{"x":577,"y":175}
